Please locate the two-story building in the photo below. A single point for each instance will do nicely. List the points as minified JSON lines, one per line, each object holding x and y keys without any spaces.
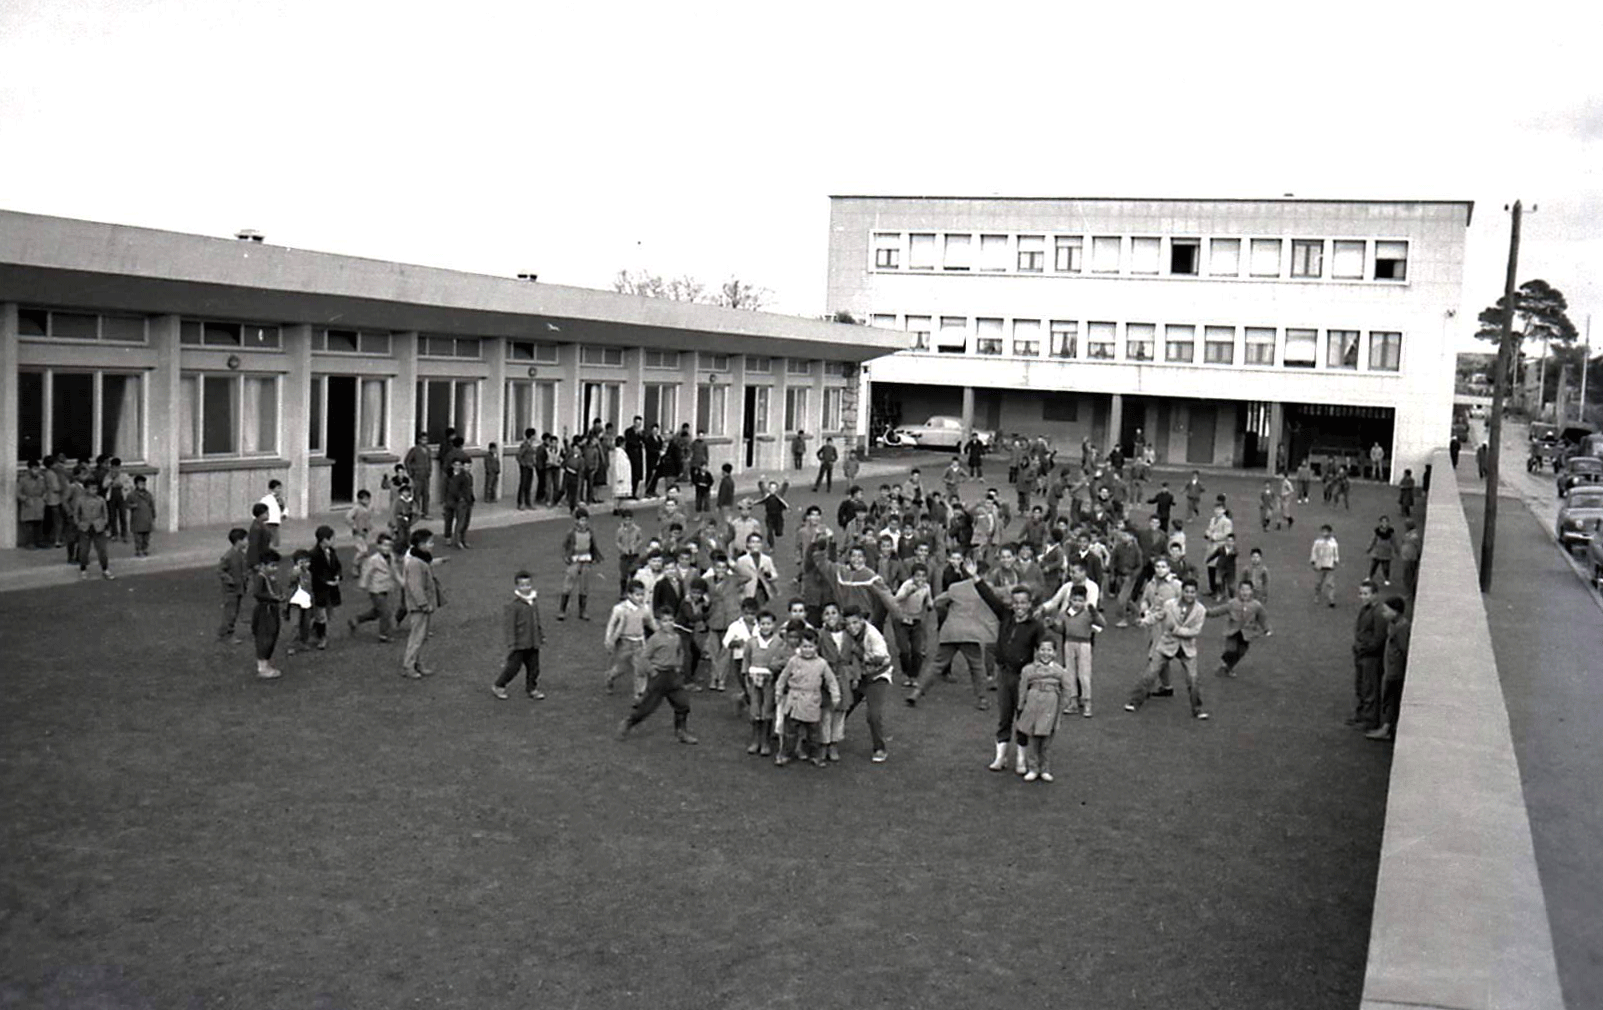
{"x":1229,"y":332}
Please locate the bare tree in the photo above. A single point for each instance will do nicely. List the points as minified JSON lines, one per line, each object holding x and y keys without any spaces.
{"x":738,"y":294}
{"x":733,"y":293}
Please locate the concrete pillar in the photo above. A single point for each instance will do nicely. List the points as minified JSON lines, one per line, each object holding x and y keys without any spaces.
{"x":859,"y":408}
{"x":164,"y":402}
{"x":569,"y":395}
{"x":492,"y":405}
{"x":1115,"y":420}
{"x":9,"y":433}
{"x":968,"y":410}
{"x":403,"y":397}
{"x":297,"y":401}
{"x":1277,"y":421}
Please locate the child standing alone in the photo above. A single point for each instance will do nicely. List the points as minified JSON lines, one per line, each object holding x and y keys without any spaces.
{"x":1042,"y":687}
{"x":141,"y":506}
{"x":579,"y":552}
{"x":524,"y":636}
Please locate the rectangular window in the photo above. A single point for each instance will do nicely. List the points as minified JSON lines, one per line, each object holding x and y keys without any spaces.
{"x":1224,"y":257}
{"x":882,"y":322}
{"x":1060,"y":406}
{"x":887,"y":250}
{"x":74,"y":326}
{"x":379,"y":343}
{"x":33,"y":323}
{"x":219,"y":415}
{"x":760,"y":412}
{"x":1027,"y":338}
{"x":314,"y":421}
{"x":600,"y":401}
{"x":1138,"y":341}
{"x":1302,"y":348}
{"x":710,"y":362}
{"x":1065,"y":333}
{"x":1105,"y":254}
{"x":921,"y":252}
{"x":760,"y":365}
{"x":661,"y":359}
{"x":1067,"y":254}
{"x":44,"y":323}
{"x":1341,"y":348}
{"x":592,"y":354}
{"x":798,"y":366}
{"x":1032,"y":254}
{"x":1307,"y":257}
{"x":796,"y":408}
{"x":918,"y":329}
{"x":1144,"y":254}
{"x":1265,"y":257}
{"x":373,"y":413}
{"x":448,"y":403}
{"x":1259,"y":348}
{"x":661,"y":405}
{"x":953,"y":337}
{"x":1385,"y":351}
{"x":1185,"y":256}
{"x":529,"y":404}
{"x":1100,"y":339}
{"x":834,"y":412}
{"x":712,"y":403}
{"x":993,"y":253}
{"x":449,"y":347}
{"x":88,"y":413}
{"x":340,"y":341}
{"x":1180,"y":344}
{"x":1219,"y":345}
{"x":837,"y":369}
{"x":959,"y":252}
{"x":229,"y":415}
{"x":1347,"y":260}
{"x":530,"y":350}
{"x":988,"y":336}
{"x":1391,"y":261}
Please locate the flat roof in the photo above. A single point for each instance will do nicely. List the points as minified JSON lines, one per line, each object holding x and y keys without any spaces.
{"x":68,"y":263}
{"x":1468,"y":205}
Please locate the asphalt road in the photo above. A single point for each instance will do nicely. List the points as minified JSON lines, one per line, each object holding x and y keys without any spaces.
{"x":1547,"y":632}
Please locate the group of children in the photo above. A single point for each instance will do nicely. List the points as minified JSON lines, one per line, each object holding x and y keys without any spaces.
{"x":82,"y":508}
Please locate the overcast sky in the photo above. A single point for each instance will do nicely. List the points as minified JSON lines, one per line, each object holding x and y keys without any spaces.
{"x":576,"y":139}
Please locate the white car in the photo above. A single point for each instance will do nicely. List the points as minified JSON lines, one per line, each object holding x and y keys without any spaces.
{"x":939,"y":432}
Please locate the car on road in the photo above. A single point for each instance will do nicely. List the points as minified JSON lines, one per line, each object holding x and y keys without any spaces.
{"x":1594,"y":558}
{"x":939,"y":432}
{"x":1579,"y":514}
{"x":1578,"y":471}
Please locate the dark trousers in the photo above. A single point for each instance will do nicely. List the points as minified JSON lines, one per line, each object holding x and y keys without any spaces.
{"x":420,"y":491}
{"x":231,"y":602}
{"x":664,"y":685}
{"x":943,"y":662}
{"x":378,"y":610}
{"x":1236,"y":646}
{"x":1366,"y":688}
{"x":826,"y":476}
{"x":1007,"y":703}
{"x":117,"y":517}
{"x":492,"y":485}
{"x":627,"y":565}
{"x":1157,"y":673}
{"x":690,"y":648}
{"x":1391,"y":697}
{"x":1381,"y":565}
{"x":529,"y":660}
{"x":457,"y":517}
{"x":95,"y":539}
{"x":703,"y":500}
{"x":570,"y":488}
{"x":910,"y":648}
{"x":551,"y":480}
{"x":525,"y":486}
{"x":448,"y":520}
{"x":34,"y":535}
{"x":637,"y":471}
{"x":873,"y":692}
{"x":651,"y":476}
{"x":56,"y":524}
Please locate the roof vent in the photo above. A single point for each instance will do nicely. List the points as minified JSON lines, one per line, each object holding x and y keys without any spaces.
{"x":250,"y":235}
{"x":528,"y":277}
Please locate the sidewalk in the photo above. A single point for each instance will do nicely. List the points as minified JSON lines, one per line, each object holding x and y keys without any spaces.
{"x":201,"y":546}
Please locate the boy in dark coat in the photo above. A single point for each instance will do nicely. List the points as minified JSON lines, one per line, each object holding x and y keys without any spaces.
{"x":326,"y":574}
{"x":523,"y":637}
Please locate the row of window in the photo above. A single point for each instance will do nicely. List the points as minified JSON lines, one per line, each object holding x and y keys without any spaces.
{"x":1061,"y":339}
{"x":1143,"y":255}
{"x":532,"y":404}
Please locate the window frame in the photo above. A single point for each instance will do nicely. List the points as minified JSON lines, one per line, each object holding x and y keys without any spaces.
{"x":1101,"y":242}
{"x":1210,"y":340}
{"x":667,"y":361}
{"x":1400,"y":274}
{"x":716,"y":426}
{"x":48,"y":438}
{"x":535,"y":347}
{"x":668,"y":419}
{"x":1170,"y":343}
{"x":1074,"y":246}
{"x":1101,"y":350}
{"x":511,"y":431}
{"x":459,"y":345}
{"x":100,"y":318}
{"x":1215,"y":245}
{"x":1300,"y":269}
{"x":606,"y":351}
{"x":837,"y":412}
{"x":1338,"y":362}
{"x":1382,"y":345}
{"x":760,"y":364}
{"x":471,"y":439}
{"x":990,"y":335}
{"x":1030,"y":255}
{"x":1302,"y":334}
{"x":1249,"y":356}
{"x":1193,"y":244}
{"x":1151,"y":342}
{"x":198,"y":325}
{"x":1056,"y":348}
{"x":796,"y":404}
{"x":1280,"y":258}
{"x":922,"y":340}
{"x":1146,"y":243}
{"x":237,"y":380}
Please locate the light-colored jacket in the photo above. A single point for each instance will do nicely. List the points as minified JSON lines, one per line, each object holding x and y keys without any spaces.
{"x":378,"y":574}
{"x":420,"y":589}
{"x":1178,"y":628}
{"x":802,"y":684}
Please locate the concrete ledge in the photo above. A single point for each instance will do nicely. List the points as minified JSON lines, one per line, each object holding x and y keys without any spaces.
{"x":1460,"y":920}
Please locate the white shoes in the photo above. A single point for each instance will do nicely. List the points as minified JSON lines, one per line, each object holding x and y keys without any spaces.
{"x":1030,"y":776}
{"x":1046,"y":776}
{"x":1019,"y":766}
{"x":1001,"y":758}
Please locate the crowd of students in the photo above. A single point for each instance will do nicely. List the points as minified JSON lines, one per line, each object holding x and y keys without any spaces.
{"x":81,"y":508}
{"x":894,"y":590}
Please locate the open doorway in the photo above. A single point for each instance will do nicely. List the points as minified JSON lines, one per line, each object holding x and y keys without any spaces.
{"x":748,"y":426}
{"x":340,"y":442}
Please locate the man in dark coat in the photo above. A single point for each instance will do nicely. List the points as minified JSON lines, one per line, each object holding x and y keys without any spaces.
{"x":634,"y":446}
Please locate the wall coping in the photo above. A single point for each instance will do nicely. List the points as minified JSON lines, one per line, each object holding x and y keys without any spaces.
{"x":1460,"y":920}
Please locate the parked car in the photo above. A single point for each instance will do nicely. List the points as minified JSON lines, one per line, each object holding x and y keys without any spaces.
{"x":1579,"y":514}
{"x":1594,"y":556}
{"x":1577,"y":471}
{"x":939,"y":432}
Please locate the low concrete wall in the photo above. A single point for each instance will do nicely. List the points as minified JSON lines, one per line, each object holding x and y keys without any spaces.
{"x":1460,"y":920}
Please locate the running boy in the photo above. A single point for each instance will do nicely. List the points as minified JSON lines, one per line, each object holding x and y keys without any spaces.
{"x":378,"y":578}
{"x":662,"y":655}
{"x":361,"y":519}
{"x":1248,"y":621}
{"x":625,"y":637}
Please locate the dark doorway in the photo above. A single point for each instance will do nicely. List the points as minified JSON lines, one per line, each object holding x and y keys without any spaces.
{"x":1134,"y":419}
{"x":1204,"y":420}
{"x":748,"y":426}
{"x":340,"y":444}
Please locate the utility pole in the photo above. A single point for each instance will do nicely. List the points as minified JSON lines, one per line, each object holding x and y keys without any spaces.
{"x":1505,"y":349}
{"x":1586,"y":366}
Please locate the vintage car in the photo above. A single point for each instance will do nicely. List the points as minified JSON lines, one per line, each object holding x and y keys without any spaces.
{"x":939,"y":432}
{"x":1579,"y":514}
{"x":1577,"y":471}
{"x":1594,"y":557}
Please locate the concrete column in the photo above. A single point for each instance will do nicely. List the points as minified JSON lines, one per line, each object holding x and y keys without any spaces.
{"x":164,"y":403}
{"x":9,"y":433}
{"x":403,"y":394}
{"x":968,"y":410}
{"x":1277,"y":421}
{"x":1115,"y":420}
{"x":860,"y":407}
{"x":568,"y":392}
{"x":492,"y":405}
{"x":297,"y":401}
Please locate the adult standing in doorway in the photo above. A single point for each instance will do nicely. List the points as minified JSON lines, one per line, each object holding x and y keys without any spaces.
{"x":634,"y":446}
{"x":1377,"y":462}
{"x":974,"y":455}
{"x":527,"y":451}
{"x":653,"y":452}
{"x":798,"y":449}
{"x":418,"y":462}
{"x":827,"y":455}
{"x":682,"y":442}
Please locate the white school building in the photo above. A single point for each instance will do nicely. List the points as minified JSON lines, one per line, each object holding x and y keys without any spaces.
{"x":214,"y":365}
{"x":1229,"y":331}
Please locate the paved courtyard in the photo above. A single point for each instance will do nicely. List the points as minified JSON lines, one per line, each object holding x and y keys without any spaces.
{"x":181,"y":834}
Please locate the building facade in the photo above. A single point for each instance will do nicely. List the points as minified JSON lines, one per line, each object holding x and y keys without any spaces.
{"x":213,"y":366}
{"x":1229,"y":332}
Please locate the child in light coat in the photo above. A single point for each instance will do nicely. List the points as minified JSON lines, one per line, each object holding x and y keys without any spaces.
{"x":800,"y":689}
{"x":1042,"y":687}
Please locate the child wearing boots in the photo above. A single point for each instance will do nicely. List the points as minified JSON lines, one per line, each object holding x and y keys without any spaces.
{"x":629,"y":540}
{"x":665,"y":659}
{"x":625,"y":638}
{"x":800,"y":688}
{"x":326,"y":574}
{"x":766,"y":653}
{"x":579,"y":553}
{"x":1042,"y":687}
